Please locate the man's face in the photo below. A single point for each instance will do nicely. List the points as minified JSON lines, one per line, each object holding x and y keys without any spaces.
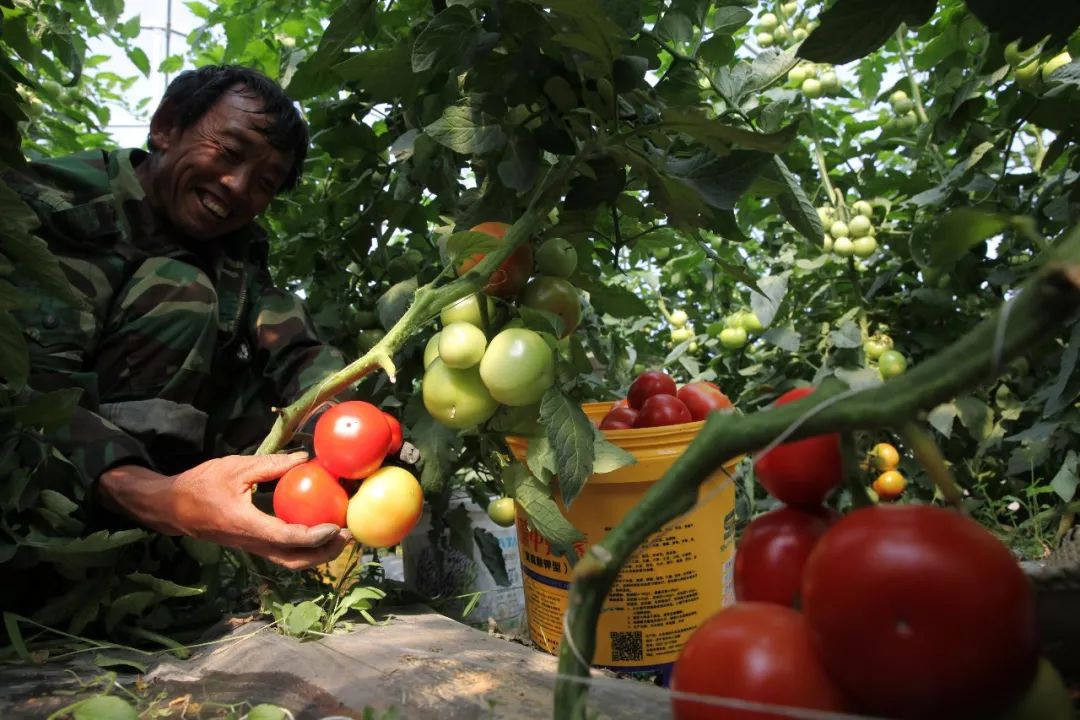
{"x":215,"y":176}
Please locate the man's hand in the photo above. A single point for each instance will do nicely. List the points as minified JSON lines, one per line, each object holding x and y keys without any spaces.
{"x":212,"y":501}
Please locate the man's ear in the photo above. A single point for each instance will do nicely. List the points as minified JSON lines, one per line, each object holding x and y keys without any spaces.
{"x":163,"y":126}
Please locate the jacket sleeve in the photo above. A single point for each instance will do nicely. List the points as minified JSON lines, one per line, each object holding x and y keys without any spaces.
{"x":93,"y":445}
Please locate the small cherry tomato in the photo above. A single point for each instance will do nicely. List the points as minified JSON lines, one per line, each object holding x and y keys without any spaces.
{"x":662,"y":410}
{"x":884,"y":457}
{"x":619,"y":419}
{"x":309,"y":495}
{"x":647,"y":384}
{"x":889,"y":485}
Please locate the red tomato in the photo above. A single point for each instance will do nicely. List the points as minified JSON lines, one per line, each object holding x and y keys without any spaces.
{"x":662,"y":410}
{"x":772,"y":553}
{"x":309,"y":495}
{"x":701,"y":398}
{"x":754,"y":652}
{"x":396,"y":438}
{"x":621,"y":404}
{"x":647,"y":384}
{"x":918,"y":612}
{"x":619,"y":419}
{"x":351,"y":439}
{"x":510,"y":277}
{"x":801,"y":472}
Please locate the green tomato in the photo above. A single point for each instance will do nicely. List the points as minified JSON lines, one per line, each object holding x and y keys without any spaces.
{"x":679,"y":318}
{"x":366,"y":319}
{"x":892,"y":364}
{"x":431,"y":350}
{"x":839,"y":229}
{"x":843,"y":247}
{"x":768,"y":21}
{"x":733,"y":338}
{"x":556,"y":257}
{"x":461,"y":345}
{"x":764,"y":39}
{"x":908,"y":122}
{"x":796,"y":75}
{"x":750,"y":322}
{"x":692,"y":347}
{"x":900,"y":102}
{"x":799,"y":34}
{"x":827,"y":243}
{"x":1054,"y":63}
{"x":265,"y":711}
{"x":790,"y":8}
{"x":811,"y":88}
{"x":457,"y":399}
{"x":367,"y":339}
{"x":811,"y":70}
{"x":864,"y":247}
{"x":679,"y":335}
{"x":734,"y":320}
{"x":863,"y":208}
{"x":859,"y":226}
{"x":104,"y":707}
{"x":830,"y":83}
{"x":1047,"y":698}
{"x":502,"y":511}
{"x":518,"y":367}
{"x":825,"y":214}
{"x":556,"y":296}
{"x":781,"y":33}
{"x":467,"y":309}
{"x":873,"y":348}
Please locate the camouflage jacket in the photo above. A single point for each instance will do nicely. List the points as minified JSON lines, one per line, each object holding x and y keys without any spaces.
{"x":97,"y":221}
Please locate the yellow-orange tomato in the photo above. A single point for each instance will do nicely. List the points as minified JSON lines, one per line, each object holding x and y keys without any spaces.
{"x":884,"y":457}
{"x":385,"y":508}
{"x":890,"y":485}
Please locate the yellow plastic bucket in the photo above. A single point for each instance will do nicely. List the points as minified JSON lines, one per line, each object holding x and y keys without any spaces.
{"x":679,"y":577}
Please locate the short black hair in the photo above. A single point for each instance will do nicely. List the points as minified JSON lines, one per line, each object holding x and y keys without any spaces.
{"x":191,"y":95}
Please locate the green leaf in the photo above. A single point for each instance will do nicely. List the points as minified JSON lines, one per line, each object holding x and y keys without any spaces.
{"x":1056,"y":400}
{"x":362,"y":597}
{"x":492,"y":555}
{"x":1028,"y":25}
{"x":445,"y":40}
{"x":720,"y":136}
{"x":109,"y":10}
{"x":720,"y":180}
{"x":608,"y":457}
{"x":104,"y":707}
{"x":960,"y":230}
{"x":851,"y":29}
{"x":728,"y":19}
{"x":467,"y":243}
{"x":14,"y":358}
{"x":520,"y":164}
{"x":1066,"y":480}
{"x":571,"y":437}
{"x":171,"y":64}
{"x":796,"y":206}
{"x":467,"y":131}
{"x":198,"y":9}
{"x":303,"y":617}
{"x":613,"y":300}
{"x":165,"y":588}
{"x":439,"y":448}
{"x":534,"y":498}
{"x":49,"y":410}
{"x":943,"y":417}
{"x":847,"y":335}
{"x":393,"y":303}
{"x":540,"y":457}
{"x":976,"y":416}
{"x":587,"y":27}
{"x":138,"y":56}
{"x":784,"y":338}
{"x":99,"y":542}
{"x":766,"y":303}
{"x":14,"y":634}
{"x":383,"y":73}
{"x":314,"y":76}
{"x":111,"y":661}
{"x":30,"y":252}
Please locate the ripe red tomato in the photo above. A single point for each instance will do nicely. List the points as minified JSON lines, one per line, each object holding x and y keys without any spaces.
{"x":801,"y":472}
{"x":621,"y":404}
{"x":918,"y":612}
{"x":309,"y":495}
{"x":351,"y":439}
{"x":647,"y":384}
{"x":701,"y":398}
{"x":510,"y":277}
{"x":662,"y":410}
{"x":772,"y":553}
{"x":619,"y":419}
{"x":396,"y":438}
{"x":755,"y":652}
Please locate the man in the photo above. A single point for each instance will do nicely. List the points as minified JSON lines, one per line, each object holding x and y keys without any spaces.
{"x":185,"y":344}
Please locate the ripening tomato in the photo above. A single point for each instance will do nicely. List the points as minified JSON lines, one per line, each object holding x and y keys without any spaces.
{"x":619,"y":419}
{"x":701,"y":398}
{"x":802,"y":472}
{"x":662,"y":410}
{"x":351,"y":439}
{"x":385,"y":507}
{"x":772,"y":553}
{"x":396,"y":437}
{"x":918,"y":612}
{"x":755,"y":652}
{"x":647,"y":384}
{"x":889,"y":485}
{"x":556,"y":296}
{"x":309,"y":495}
{"x":511,"y":276}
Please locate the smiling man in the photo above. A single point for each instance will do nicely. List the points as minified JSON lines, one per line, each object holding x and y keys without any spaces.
{"x":183,"y":344}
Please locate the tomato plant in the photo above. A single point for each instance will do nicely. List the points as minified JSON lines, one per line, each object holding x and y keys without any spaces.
{"x":772,"y":553}
{"x":351,"y":439}
{"x":900,"y":599}
{"x":387,"y":505}
{"x":309,"y":495}
{"x":802,"y":472}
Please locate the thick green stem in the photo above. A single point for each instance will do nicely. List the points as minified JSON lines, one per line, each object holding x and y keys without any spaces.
{"x":928,"y":454}
{"x":1039,"y":311}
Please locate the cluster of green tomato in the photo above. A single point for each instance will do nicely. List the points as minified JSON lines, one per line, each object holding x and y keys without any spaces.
{"x":682,"y":330}
{"x":774,"y":28}
{"x":855,"y":236}
{"x":904,"y":119}
{"x":1031,"y":73}
{"x":814,"y":80}
{"x":738,"y":327}
{"x":879,"y":349}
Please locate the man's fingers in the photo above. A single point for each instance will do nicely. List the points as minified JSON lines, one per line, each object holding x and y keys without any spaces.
{"x":263,"y":468}
{"x":275,"y":531}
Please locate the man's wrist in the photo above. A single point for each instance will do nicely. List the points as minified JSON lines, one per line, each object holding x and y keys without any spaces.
{"x":136,"y":492}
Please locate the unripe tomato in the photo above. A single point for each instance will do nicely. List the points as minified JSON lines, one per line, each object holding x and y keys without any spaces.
{"x":431,"y":350}
{"x":900,"y":102}
{"x":662,"y":410}
{"x":769,"y":22}
{"x":309,"y":495}
{"x":1054,"y":63}
{"x":681,"y":334}
{"x":511,"y":276}
{"x":518,"y":367}
{"x":799,"y":34}
{"x":843,"y":246}
{"x":859,"y":226}
{"x":830,"y":83}
{"x":764,"y":39}
{"x":772,"y":552}
{"x":467,"y":309}
{"x":826,"y":215}
{"x":864,"y":247}
{"x":351,"y":439}
{"x":889,"y":485}
{"x":826,"y":243}
{"x":397,"y":439}
{"x":679,"y":318}
{"x":619,"y":418}
{"x":811,"y":88}
{"x":556,"y":257}
{"x":884,"y":457}
{"x":918,"y":612}
{"x":647,"y":384}
{"x":457,"y":399}
{"x":1047,"y":698}
{"x":733,"y":338}
{"x":502,"y":511}
{"x":750,"y":322}
{"x":461,"y":345}
{"x":892,"y":364}
{"x":863,"y":208}
{"x":385,"y":507}
{"x":796,"y":75}
{"x":790,"y":8}
{"x":702,"y":398}
{"x":908,"y":122}
{"x":802,"y":472}
{"x":755,"y":652}
{"x":780,"y":34}
{"x":839,"y":229}
{"x":556,"y":296}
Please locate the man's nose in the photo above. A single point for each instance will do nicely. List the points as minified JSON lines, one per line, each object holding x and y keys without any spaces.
{"x":238,"y":181}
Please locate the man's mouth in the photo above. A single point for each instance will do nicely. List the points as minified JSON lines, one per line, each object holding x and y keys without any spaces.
{"x":214,"y":206}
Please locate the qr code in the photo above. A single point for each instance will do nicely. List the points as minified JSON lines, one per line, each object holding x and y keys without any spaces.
{"x":626,"y":646}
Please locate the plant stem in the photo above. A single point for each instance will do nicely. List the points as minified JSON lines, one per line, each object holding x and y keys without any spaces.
{"x":929,"y":456}
{"x":1039,"y":310}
